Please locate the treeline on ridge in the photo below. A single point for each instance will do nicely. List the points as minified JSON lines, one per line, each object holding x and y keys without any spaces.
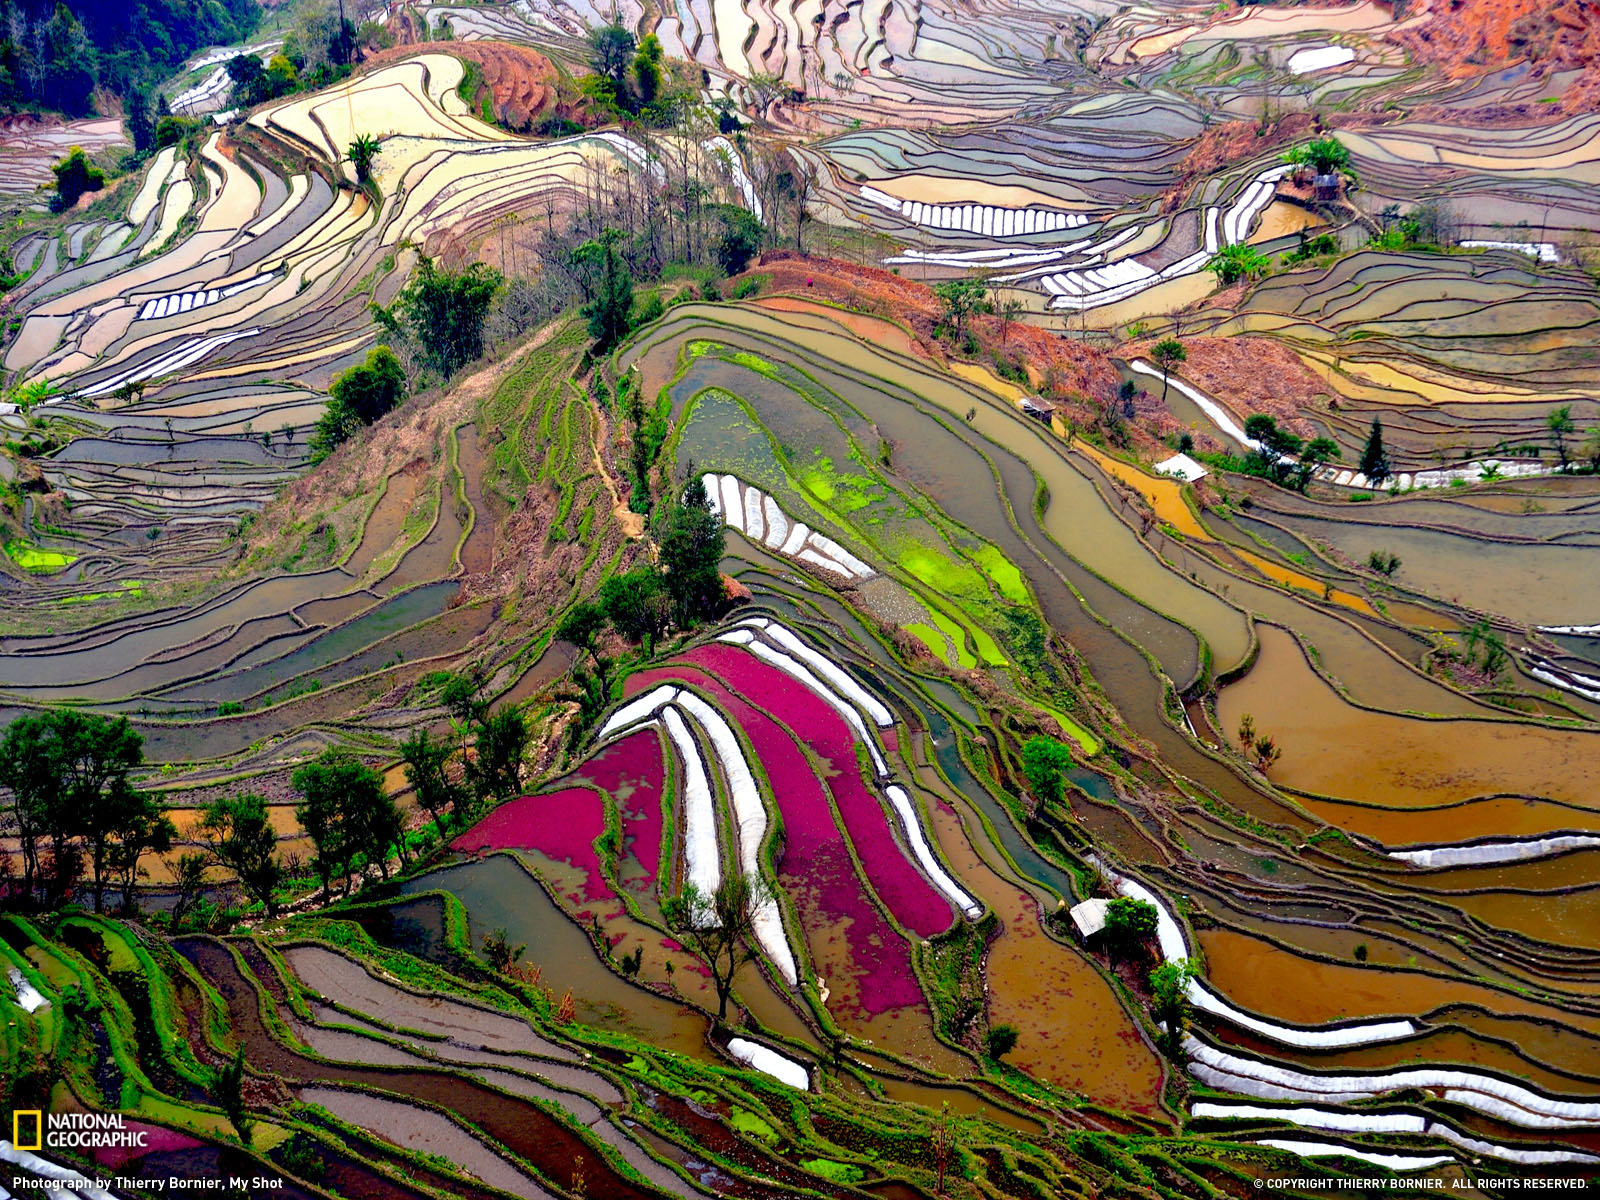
{"x":56,"y":53}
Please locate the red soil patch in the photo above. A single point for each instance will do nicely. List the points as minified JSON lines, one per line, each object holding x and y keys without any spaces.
{"x":1469,"y":37}
{"x":1249,"y":375}
{"x":521,"y":82}
{"x":1232,"y":142}
{"x":1068,"y":367}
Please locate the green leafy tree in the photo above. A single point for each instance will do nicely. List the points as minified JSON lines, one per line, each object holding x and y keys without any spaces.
{"x":144,"y":829}
{"x":189,"y":880}
{"x":647,"y":70}
{"x":1045,"y":762}
{"x":610,"y":309}
{"x":345,"y":812}
{"x":1010,"y":310}
{"x":719,"y":928}
{"x":239,"y":837}
{"x":378,"y":824}
{"x":691,"y":548}
{"x":649,"y":432}
{"x":1169,"y":1002}
{"x":75,"y":175}
{"x":54,"y":55}
{"x":462,"y":694}
{"x":359,"y":396}
{"x":1318,"y":452}
{"x":65,"y":61}
{"x":227,"y":1089}
{"x":1238,"y":261}
{"x":27,"y":772}
{"x":1560,"y":424}
{"x":1275,"y":448}
{"x":1129,"y":925}
{"x":1327,"y":155}
{"x":140,"y":126}
{"x":499,"y":952}
{"x":171,"y":130}
{"x":1591,"y":448}
{"x":445,"y":311}
{"x":1168,"y":353}
{"x":427,"y":767}
{"x":249,"y":78}
{"x":1375,"y":459}
{"x":637,"y":605}
{"x":582,"y":627}
{"x":742,"y":235}
{"x":611,"y":50}
{"x":962,"y":299}
{"x":496,"y":768}
{"x":374,"y":388}
{"x":67,"y":773}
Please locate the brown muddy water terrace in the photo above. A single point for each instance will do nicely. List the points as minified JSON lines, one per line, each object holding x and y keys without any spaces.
{"x":521,"y":1126}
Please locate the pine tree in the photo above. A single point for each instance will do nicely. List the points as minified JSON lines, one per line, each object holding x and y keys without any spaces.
{"x":1374,"y":460}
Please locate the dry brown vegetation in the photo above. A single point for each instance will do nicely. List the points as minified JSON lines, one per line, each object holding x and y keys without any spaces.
{"x":1251,"y":375}
{"x":1065,"y":368}
{"x":1232,"y":142}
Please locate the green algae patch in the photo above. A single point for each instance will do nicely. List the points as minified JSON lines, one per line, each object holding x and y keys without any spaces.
{"x":131,"y":589}
{"x":653,"y":1074}
{"x":943,"y":574}
{"x":843,"y":491}
{"x":754,"y":362}
{"x":749,"y":1124}
{"x":36,"y":559}
{"x":932,"y":638}
{"x":958,"y":638}
{"x":1004,"y":574}
{"x":987,"y":650}
{"x":1085,"y":739}
{"x":837,"y":1172}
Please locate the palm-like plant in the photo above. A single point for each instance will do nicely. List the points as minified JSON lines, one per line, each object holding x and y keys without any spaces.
{"x":1236,"y":262}
{"x":362,"y":154}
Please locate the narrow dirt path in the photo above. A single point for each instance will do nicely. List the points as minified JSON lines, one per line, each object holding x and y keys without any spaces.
{"x":632,"y":523}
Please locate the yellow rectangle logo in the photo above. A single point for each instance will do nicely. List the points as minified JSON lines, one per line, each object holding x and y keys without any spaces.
{"x":19,"y":1121}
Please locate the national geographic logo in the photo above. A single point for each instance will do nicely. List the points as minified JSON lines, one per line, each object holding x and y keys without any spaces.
{"x":32,"y":1129}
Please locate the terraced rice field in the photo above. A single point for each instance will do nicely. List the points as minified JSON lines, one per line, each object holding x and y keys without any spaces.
{"x":979,"y":656}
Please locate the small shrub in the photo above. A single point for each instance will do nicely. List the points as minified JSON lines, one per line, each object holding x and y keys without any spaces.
{"x":75,"y":175}
{"x":1384,"y":562}
{"x":1001,"y":1041}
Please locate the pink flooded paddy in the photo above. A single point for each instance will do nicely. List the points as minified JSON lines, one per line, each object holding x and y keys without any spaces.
{"x":865,"y":963}
{"x":632,"y":771}
{"x":562,"y":827}
{"x":908,"y":895}
{"x":157,"y":1139}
